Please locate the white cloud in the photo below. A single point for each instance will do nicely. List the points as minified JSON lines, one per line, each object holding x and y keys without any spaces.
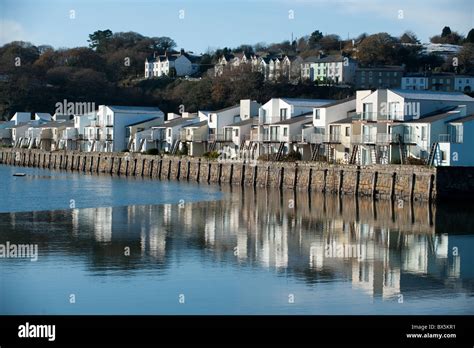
{"x":11,"y":31}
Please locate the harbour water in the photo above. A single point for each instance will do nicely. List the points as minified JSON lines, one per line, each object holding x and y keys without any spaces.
{"x":113,"y":245}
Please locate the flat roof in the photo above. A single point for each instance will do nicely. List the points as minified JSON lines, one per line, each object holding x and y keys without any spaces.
{"x":432,"y":95}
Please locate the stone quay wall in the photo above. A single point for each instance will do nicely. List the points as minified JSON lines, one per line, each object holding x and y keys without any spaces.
{"x":396,"y":182}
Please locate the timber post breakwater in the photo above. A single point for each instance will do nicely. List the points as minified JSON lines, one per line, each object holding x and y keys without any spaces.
{"x":396,"y":182}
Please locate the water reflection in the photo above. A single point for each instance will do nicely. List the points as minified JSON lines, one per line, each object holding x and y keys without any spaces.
{"x":382,"y":249}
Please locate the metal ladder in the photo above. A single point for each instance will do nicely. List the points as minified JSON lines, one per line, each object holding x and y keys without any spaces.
{"x":373,"y":154}
{"x":315,"y":148}
{"x":433,"y":153}
{"x":280,"y":151}
{"x":355,"y":151}
{"x":401,"y":148}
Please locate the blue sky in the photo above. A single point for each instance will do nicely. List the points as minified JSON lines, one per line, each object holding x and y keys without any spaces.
{"x":212,"y":23}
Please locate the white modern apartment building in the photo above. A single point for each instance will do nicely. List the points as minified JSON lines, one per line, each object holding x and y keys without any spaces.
{"x":378,"y":131}
{"x":276,"y":131}
{"x":330,"y":128}
{"x":108,"y":131}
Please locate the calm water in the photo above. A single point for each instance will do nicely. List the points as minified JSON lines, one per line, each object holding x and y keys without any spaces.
{"x":200,"y":249}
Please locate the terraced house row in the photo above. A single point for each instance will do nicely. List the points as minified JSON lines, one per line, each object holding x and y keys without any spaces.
{"x":384,"y":126}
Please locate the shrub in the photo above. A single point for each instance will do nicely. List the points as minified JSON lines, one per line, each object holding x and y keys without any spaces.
{"x":292,"y":157}
{"x":415,"y":161}
{"x":125,"y":150}
{"x":211,"y":155}
{"x":265,"y":157}
{"x":154,"y":152}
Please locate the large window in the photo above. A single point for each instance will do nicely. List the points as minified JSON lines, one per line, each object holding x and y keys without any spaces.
{"x":283,"y":114}
{"x":285,"y":132}
{"x":317,"y":114}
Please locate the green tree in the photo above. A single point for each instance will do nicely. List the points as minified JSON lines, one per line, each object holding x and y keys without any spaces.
{"x":98,"y":40}
{"x":470,"y":36}
{"x":377,"y":49}
{"x":409,"y":37}
{"x":446,"y":31}
{"x":162,"y":44}
{"x":314,"y":38}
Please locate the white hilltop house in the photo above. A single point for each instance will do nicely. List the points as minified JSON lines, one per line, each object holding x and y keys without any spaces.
{"x":108,"y":131}
{"x":275,"y":133}
{"x":335,"y":69}
{"x":183,"y":64}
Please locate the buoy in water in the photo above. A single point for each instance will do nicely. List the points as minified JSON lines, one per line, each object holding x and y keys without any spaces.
{"x":19,"y":174}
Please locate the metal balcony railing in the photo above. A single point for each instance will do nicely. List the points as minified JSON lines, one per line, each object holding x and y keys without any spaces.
{"x":332,"y":138}
{"x":365,"y":116}
{"x":450,"y":138}
{"x":194,"y":137}
{"x":391,"y":116}
{"x":316,"y":138}
{"x":378,"y":116}
{"x":364,"y":139}
{"x":220,"y":137}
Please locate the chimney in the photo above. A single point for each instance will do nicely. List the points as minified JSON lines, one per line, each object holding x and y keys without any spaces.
{"x":182,"y":51}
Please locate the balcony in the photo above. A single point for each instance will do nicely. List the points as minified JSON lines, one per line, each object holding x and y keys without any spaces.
{"x":365,"y":116}
{"x":391,"y":116}
{"x":364,"y":139}
{"x":450,"y":138}
{"x":377,"y":116}
{"x":411,"y":139}
{"x":332,"y":138}
{"x":316,"y":138}
{"x":220,"y":137}
{"x":194,"y":137}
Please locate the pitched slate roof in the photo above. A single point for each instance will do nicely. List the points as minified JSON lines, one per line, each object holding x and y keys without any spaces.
{"x":434,"y":118}
{"x":194,"y":125}
{"x":296,"y":119}
{"x":225,"y":109}
{"x":307,"y":102}
{"x":343,"y":121}
{"x":140,"y":122}
{"x":243,"y":123}
{"x":340,"y":101}
{"x":133,"y":109}
{"x":468,"y":118}
{"x":174,"y":122}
